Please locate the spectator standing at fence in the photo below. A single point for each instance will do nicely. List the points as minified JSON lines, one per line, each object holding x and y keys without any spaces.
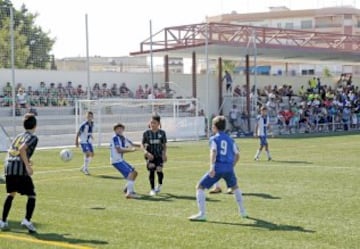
{"x":262,"y":126}
{"x":228,"y":79}
{"x":169,"y":92}
{"x":237,"y":91}
{"x":271,"y":105}
{"x":191,"y":108}
{"x":233,"y":117}
{"x":85,"y":136}
{"x":313,"y":84}
{"x":346,"y":116}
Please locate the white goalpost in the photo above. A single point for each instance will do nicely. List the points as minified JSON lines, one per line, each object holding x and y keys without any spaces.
{"x":179,"y":117}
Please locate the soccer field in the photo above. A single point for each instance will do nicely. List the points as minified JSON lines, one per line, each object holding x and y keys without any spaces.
{"x":307,"y":197}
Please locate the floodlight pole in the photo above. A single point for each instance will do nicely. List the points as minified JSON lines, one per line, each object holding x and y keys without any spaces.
{"x":87,"y":58}
{"x":13,"y":69}
{"x":151,"y":57}
{"x":208,"y":124}
{"x":255,"y":64}
{"x":151,"y":66}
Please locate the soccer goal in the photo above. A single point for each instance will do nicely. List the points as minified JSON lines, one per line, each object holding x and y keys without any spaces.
{"x":179,"y":117}
{"x":4,"y":140}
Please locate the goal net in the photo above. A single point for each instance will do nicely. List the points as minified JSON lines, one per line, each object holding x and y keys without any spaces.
{"x":179,"y":117}
{"x":4,"y":140}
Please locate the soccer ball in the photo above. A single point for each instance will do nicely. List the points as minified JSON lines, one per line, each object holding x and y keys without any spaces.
{"x":66,"y":155}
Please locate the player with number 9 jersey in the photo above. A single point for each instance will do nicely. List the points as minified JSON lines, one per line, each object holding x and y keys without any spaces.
{"x":226,"y":150}
{"x":224,"y":154}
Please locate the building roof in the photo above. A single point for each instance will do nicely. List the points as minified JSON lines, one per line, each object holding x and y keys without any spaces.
{"x":282,"y":13}
{"x":231,"y":41}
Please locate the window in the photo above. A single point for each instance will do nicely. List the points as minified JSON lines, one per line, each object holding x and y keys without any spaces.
{"x":278,"y":25}
{"x":306,"y":24}
{"x":289,"y":25}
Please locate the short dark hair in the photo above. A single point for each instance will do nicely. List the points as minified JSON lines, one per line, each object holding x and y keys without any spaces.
{"x":219,"y":122}
{"x":29,"y":121}
{"x":89,"y":113}
{"x":156,"y":117}
{"x":117,"y":125}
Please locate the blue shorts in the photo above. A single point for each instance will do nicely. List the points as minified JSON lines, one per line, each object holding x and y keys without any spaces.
{"x":87,"y":147}
{"x":263,"y":140}
{"x":124,"y":168}
{"x":230,"y":178}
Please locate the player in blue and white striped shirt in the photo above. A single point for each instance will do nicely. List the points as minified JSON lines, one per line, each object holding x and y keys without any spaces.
{"x":262,"y":127}
{"x":118,"y":146}
{"x":85,"y":136}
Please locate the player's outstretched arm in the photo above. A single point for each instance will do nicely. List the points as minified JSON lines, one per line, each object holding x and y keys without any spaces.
{"x":125,"y":150}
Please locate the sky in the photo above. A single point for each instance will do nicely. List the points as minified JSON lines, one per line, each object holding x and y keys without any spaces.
{"x":117,"y":27}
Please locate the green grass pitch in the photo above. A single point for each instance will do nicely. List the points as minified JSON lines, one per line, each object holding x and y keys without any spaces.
{"x":307,"y":197}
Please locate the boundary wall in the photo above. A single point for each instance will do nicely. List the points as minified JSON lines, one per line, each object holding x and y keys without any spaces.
{"x":182,"y":82}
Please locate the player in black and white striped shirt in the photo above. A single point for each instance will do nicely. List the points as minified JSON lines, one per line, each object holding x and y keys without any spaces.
{"x":154,"y":145}
{"x":18,"y":171}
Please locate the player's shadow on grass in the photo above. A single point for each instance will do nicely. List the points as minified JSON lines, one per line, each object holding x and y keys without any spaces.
{"x":171,"y":197}
{"x":63,"y":238}
{"x":110,"y":177}
{"x":15,"y":227}
{"x":259,"y":223}
{"x":262,"y":195}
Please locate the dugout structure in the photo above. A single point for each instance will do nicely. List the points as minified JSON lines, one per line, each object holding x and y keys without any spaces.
{"x":179,"y":117}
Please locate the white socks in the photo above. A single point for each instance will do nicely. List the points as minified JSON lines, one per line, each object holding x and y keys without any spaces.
{"x":200,"y":198}
{"x":87,"y":161}
{"x":268,"y":154}
{"x":239,"y":200}
{"x":130,"y":187}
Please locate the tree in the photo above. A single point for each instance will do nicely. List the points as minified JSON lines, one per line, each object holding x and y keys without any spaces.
{"x":20,"y":53}
{"x":229,"y":65}
{"x":32,"y":45}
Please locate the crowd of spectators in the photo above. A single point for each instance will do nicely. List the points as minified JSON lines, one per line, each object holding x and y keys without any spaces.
{"x":65,"y":95}
{"x":315,"y":107}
